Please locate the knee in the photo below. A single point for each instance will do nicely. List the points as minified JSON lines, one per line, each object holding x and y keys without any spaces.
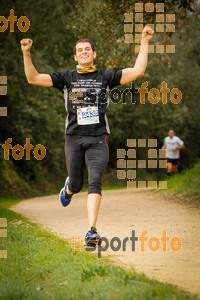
{"x":94,"y":185}
{"x":75,"y":187}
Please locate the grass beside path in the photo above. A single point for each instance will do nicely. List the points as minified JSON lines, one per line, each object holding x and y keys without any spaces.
{"x":42,"y":266}
{"x":186,"y":184}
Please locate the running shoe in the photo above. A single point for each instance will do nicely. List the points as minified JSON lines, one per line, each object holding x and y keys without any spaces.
{"x":92,"y":238}
{"x":64,"y":197}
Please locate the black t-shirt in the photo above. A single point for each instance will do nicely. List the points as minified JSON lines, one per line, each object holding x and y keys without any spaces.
{"x":86,"y":99}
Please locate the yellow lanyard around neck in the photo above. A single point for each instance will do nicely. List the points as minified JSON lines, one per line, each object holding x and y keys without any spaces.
{"x":84,"y":70}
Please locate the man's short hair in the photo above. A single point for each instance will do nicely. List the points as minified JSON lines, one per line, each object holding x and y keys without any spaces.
{"x":84,"y":41}
{"x":171,"y":129}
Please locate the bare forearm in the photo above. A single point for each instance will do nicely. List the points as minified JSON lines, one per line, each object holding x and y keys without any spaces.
{"x":30,"y":71}
{"x":181,"y":147}
{"x":142,"y":58}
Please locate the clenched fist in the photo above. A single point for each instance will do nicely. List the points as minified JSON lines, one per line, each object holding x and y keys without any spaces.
{"x":147,"y":33}
{"x":26,"y":45}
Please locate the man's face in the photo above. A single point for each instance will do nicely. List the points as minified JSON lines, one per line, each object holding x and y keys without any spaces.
{"x":84,"y":54}
{"x":171,"y":133}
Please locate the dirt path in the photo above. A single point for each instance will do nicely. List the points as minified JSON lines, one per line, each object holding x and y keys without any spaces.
{"x":121,"y":212}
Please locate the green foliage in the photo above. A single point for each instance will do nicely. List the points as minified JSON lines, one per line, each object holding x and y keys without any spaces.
{"x":39,"y":113}
{"x":187,"y":184}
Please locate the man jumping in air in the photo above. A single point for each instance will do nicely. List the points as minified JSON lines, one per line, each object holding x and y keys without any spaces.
{"x":172,"y":144}
{"x":86,"y":99}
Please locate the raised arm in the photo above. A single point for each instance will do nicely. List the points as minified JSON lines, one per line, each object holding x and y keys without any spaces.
{"x":130,"y":74}
{"x":31,"y":73}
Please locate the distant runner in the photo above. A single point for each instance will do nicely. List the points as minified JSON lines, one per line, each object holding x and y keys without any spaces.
{"x":172,"y":144}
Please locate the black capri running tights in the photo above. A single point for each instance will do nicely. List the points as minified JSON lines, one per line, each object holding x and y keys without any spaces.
{"x":91,"y":151}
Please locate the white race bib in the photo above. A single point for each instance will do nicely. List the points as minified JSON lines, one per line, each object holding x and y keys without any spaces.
{"x":88,"y":115}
